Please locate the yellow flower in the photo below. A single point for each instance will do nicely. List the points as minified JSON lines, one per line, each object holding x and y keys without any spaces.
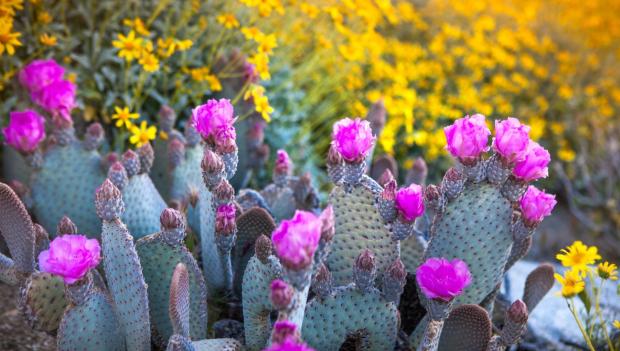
{"x":228,"y":20}
{"x":261,"y":62}
{"x":44,"y":17}
{"x":214,"y":83}
{"x":124,"y":117}
{"x":255,"y":91}
{"x":137,"y":25}
{"x":262,"y":106}
{"x":8,"y":40}
{"x":163,"y":135}
{"x":130,"y":46}
{"x":142,"y":135}
{"x":165,"y":47}
{"x":48,"y":40}
{"x":617,"y":324}
{"x":149,"y":62}
{"x":251,"y":33}
{"x":266,"y":43}
{"x":608,"y":270}
{"x":571,"y":282}
{"x":8,"y":7}
{"x":184,"y":44}
{"x":578,"y":256}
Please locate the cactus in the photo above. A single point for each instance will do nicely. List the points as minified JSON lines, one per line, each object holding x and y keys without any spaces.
{"x":42,"y":301}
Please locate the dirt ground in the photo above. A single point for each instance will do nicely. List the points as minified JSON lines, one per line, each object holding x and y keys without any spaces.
{"x":15,"y":333}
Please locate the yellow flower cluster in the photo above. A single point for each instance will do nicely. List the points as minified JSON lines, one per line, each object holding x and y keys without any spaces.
{"x":9,"y":39}
{"x":141,"y":134}
{"x":261,"y":102}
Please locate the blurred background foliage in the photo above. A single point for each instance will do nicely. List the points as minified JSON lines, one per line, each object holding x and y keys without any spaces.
{"x":551,"y":63}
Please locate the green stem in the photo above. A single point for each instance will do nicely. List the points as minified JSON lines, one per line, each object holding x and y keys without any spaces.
{"x":571,"y":307}
{"x":597,"y":308}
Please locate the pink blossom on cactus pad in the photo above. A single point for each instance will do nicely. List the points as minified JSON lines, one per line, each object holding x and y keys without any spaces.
{"x":283,"y":162}
{"x":289,"y":344}
{"x":410,"y":202}
{"x":225,"y":218}
{"x":295,"y":240}
{"x":57,"y":98}
{"x":534,"y":165}
{"x":511,"y":139}
{"x":441,"y":279}
{"x":70,"y":257}
{"x":353,"y":139}
{"x":25,"y":131}
{"x":40,"y":73}
{"x":215,"y":119}
{"x":467,"y":137}
{"x":536,"y":204}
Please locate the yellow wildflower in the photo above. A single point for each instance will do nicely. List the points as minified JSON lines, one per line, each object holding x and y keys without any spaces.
{"x":183,"y":45}
{"x":214,"y":83}
{"x":266,"y":43}
{"x":262,"y":106}
{"x":48,"y":40}
{"x":137,"y":25}
{"x":617,"y":324}
{"x":261,"y":62}
{"x":566,"y":154}
{"x":199,"y":74}
{"x":143,"y":134}
{"x":608,"y":270}
{"x":251,"y":33}
{"x":571,"y":282}
{"x":255,"y":91}
{"x":72,"y":77}
{"x":149,"y":62}
{"x":8,"y":7}
{"x":44,"y":17}
{"x":165,"y":47}
{"x":124,"y":117}
{"x":163,"y":135}
{"x":130,"y":46}
{"x":578,"y":256}
{"x":228,"y":20}
{"x":8,"y":40}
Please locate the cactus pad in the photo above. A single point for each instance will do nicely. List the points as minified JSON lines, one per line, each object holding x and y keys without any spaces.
{"x":537,"y":285}
{"x":17,"y":230}
{"x":143,"y":205}
{"x":217,"y":345}
{"x":468,"y":328}
{"x":359,"y":226}
{"x":329,"y":321}
{"x":42,"y":300}
{"x":281,"y":201}
{"x":158,"y":260}
{"x":412,"y":252}
{"x":91,"y":326}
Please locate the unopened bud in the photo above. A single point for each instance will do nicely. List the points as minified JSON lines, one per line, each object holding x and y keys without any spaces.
{"x":281,"y":294}
{"x":131,"y":162}
{"x":66,"y":226}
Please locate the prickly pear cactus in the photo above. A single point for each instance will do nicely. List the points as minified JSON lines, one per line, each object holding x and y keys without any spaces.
{"x":42,"y":301}
{"x":18,"y":232}
{"x":65,"y":185}
{"x":468,"y":328}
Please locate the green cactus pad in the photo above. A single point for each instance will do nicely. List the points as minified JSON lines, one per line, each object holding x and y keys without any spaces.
{"x":42,"y":301}
{"x":475,"y":227}
{"x":143,"y":205}
{"x":188,"y":174}
{"x":537,"y":285}
{"x":329,"y":321}
{"x":359,"y":226}
{"x":468,"y":328}
{"x":65,"y":186}
{"x":126,"y":284}
{"x":250,"y":225}
{"x":91,"y":326}
{"x":217,"y":345}
{"x":256,"y":301}
{"x":17,"y":230}
{"x":8,"y":274}
{"x":158,"y":260}
{"x":160,"y":173}
{"x":412,"y":252}
{"x":281,"y":201}
{"x":211,"y":261}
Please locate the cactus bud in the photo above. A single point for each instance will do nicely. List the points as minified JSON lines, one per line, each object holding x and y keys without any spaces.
{"x":108,"y":160}
{"x":256,"y":134}
{"x":514,"y":324}
{"x":386,"y":203}
{"x":118,"y":175}
{"x":263,"y":248}
{"x":108,"y":201}
{"x":281,"y":294}
{"x":65,"y":226}
{"x":322,"y":282}
{"x":131,"y":162}
{"x":365,"y":270}
{"x":386,"y":177}
{"x":225,"y":223}
{"x":147,"y":156}
{"x":172,"y":224}
{"x":283,"y":164}
{"x":328,"y":224}
{"x":193,"y":197}
{"x":212,"y":168}
{"x":167,"y":117}
{"x":418,"y":172}
{"x":284,"y":330}
{"x":377,"y":117}
{"x":517,"y":313}
{"x":94,"y":136}
{"x":433,"y":197}
{"x":176,"y":152}
{"x":224,"y":192}
{"x":394,"y":281}
{"x":333,"y":157}
{"x":453,"y":183}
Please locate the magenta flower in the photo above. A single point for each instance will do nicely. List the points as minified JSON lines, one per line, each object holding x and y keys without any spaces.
{"x":534,"y":165}
{"x":441,"y":279}
{"x":215,"y":120}
{"x":352,"y":139}
{"x":225,"y":218}
{"x":296,"y":239}
{"x":70,"y":256}
{"x":283,"y":162}
{"x":467,"y":137}
{"x":536,"y":204}
{"x":39,"y":74}
{"x":511,"y":139}
{"x":25,"y":131}
{"x":289,"y":344}
{"x":281,"y":294}
{"x":410,"y":202}
{"x":57,"y":98}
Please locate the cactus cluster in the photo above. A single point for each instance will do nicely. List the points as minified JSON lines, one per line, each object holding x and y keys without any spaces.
{"x":271,"y":268}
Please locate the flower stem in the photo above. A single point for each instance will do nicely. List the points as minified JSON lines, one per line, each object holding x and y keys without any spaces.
{"x":571,"y":307}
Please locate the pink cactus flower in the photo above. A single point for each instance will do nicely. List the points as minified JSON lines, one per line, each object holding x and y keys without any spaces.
{"x":57,"y":98}
{"x":70,"y":257}
{"x":536,"y":205}
{"x":441,"y":279}
{"x":410,"y":202}
{"x":296,"y":239}
{"x":283,"y":162}
{"x":534,"y":165}
{"x":215,"y":120}
{"x":289,"y":344}
{"x":281,"y":294}
{"x":511,"y":139}
{"x":39,"y":74}
{"x":352,"y":139}
{"x":25,"y":131}
{"x":225,"y":221}
{"x":467,"y":137}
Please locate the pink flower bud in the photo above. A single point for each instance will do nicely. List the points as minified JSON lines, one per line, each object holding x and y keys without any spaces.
{"x":296,"y":239}
{"x":386,"y":177}
{"x":410,"y":202}
{"x":225,"y":219}
{"x":40,"y":73}
{"x":352,"y":139}
{"x":57,"y":98}
{"x":441,"y":279}
{"x":70,"y":257}
{"x":536,"y":204}
{"x":289,"y":344}
{"x":25,"y":130}
{"x":328,"y":229}
{"x":467,"y":137}
{"x":511,"y":139}
{"x":283,"y":163}
{"x":281,"y":294}
{"x":214,"y":119}
{"x":534,"y":165}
